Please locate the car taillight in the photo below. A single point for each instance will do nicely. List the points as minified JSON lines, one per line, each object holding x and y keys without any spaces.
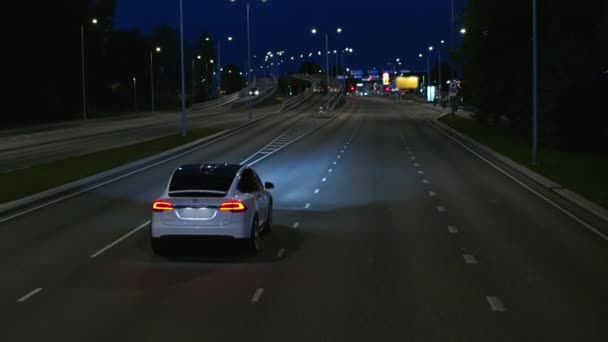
{"x":160,"y":206}
{"x":233,"y":206}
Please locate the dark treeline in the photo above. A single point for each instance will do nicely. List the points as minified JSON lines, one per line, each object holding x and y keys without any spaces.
{"x":496,"y":55}
{"x":43,"y":75}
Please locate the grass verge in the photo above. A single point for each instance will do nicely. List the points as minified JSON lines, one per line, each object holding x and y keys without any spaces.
{"x":582,"y":173}
{"x":20,"y":183}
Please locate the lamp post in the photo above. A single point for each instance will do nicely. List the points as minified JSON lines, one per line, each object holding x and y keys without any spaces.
{"x":338,"y":31}
{"x":249,"y":71}
{"x":94,"y":21}
{"x":219,"y":63}
{"x":183,"y":77}
{"x":194,"y":77}
{"x":157,"y":50}
{"x":534,"y":85}
{"x":134,"y":94}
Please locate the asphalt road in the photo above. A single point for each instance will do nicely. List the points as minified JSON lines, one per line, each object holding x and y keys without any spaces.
{"x":18,"y":152}
{"x":384,"y":230}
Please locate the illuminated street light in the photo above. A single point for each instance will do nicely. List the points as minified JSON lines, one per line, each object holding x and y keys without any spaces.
{"x":463,"y":30}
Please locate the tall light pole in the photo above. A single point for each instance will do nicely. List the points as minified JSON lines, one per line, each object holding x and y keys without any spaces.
{"x":94,"y":21}
{"x":249,"y":71}
{"x":181,"y":29}
{"x":338,"y":31}
{"x":452,"y":39}
{"x":134,"y":94}
{"x":439,"y":53}
{"x":194,"y":78}
{"x":157,"y":50}
{"x":219,"y":63}
{"x":534,"y":85}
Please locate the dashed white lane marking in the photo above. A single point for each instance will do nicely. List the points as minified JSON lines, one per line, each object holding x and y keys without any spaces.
{"x":413,"y":158}
{"x":425,"y":181}
{"x":557,"y":206}
{"x":101,"y":251}
{"x":342,"y":151}
{"x":496,"y":304}
{"x":307,"y":205}
{"x":29,"y":295}
{"x":316,"y":191}
{"x":339,"y":157}
{"x":335,"y":163}
{"x":416,"y":164}
{"x":256,"y":295}
{"x":324,"y":180}
{"x":452,"y":229}
{"x":432,"y":193}
{"x":281,"y":253}
{"x":470,"y":259}
{"x":420,"y":172}
{"x":330,"y":170}
{"x":441,"y":209}
{"x":410,"y":152}
{"x":295,"y":225}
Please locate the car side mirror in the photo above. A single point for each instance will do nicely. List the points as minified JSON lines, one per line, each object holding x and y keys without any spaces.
{"x":268,"y":186}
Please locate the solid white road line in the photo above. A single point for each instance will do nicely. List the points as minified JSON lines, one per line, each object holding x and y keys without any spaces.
{"x":452,"y":229}
{"x":256,"y":295}
{"x":29,"y":295}
{"x":296,"y":225}
{"x":307,"y":205}
{"x":557,"y":206}
{"x":101,"y":251}
{"x":324,"y":180}
{"x":316,"y":191}
{"x":496,"y":304}
{"x":470,"y":259}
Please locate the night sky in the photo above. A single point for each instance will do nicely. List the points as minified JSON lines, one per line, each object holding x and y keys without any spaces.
{"x":379,"y":31}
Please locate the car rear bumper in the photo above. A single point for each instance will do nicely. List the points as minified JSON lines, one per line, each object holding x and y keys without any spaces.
{"x":237,"y":230}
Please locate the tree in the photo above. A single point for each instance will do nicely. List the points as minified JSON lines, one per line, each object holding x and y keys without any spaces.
{"x":309,"y":68}
{"x":232,"y":79}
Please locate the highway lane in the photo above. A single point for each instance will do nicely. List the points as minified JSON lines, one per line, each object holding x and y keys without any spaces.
{"x":384,"y":230}
{"x":48,"y":148}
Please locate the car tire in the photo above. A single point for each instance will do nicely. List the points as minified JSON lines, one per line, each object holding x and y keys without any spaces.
{"x":268,"y":224}
{"x":158,"y":247}
{"x":253,"y":244}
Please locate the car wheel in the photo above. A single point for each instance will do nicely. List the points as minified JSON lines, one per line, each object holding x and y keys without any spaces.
{"x":158,"y":247}
{"x":268,"y":224}
{"x":254,"y":243}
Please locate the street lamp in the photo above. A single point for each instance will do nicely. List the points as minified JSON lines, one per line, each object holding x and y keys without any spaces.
{"x":338,"y":31}
{"x":194,"y":77}
{"x":248,"y":56}
{"x":463,"y":30}
{"x":134,"y":94}
{"x":157,"y":50}
{"x":219,"y":63}
{"x":183,"y":77}
{"x":94,"y":21}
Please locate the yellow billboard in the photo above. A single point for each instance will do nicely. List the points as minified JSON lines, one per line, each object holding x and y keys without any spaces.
{"x":407,"y":83}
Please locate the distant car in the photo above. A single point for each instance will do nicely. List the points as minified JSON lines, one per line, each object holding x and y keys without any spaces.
{"x":212,"y":200}
{"x":254,"y":92}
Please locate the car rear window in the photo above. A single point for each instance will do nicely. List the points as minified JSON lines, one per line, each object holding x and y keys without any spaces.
{"x":209,"y":177}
